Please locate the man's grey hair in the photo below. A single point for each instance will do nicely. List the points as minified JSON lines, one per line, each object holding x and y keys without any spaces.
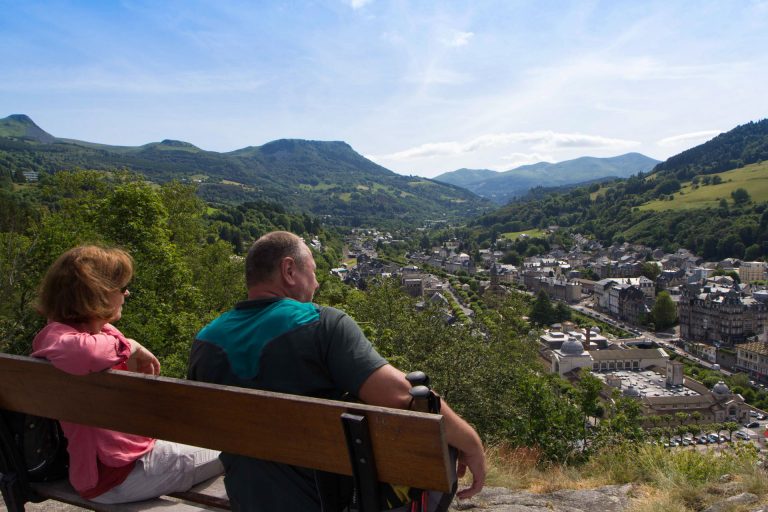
{"x":267,"y":252}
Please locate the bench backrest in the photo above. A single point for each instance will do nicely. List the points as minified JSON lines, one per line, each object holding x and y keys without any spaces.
{"x":409,"y":447}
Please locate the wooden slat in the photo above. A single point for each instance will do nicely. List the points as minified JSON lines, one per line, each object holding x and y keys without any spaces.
{"x":62,"y":491}
{"x":409,"y":447}
{"x":211,"y":493}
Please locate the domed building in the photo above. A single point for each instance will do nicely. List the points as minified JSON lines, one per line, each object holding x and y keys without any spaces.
{"x":570,"y":356}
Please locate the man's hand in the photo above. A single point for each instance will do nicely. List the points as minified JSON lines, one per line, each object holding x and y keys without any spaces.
{"x":388,"y":387}
{"x":142,"y":360}
{"x":476,"y":464}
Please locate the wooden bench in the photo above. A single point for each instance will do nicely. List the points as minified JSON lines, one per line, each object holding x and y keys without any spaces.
{"x":370,"y":443}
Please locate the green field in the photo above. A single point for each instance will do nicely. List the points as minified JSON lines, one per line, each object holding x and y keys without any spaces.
{"x":753,"y":178}
{"x":319,"y":186}
{"x":533,"y":233}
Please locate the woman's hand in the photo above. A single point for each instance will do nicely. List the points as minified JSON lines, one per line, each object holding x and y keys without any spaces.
{"x":142,"y":360}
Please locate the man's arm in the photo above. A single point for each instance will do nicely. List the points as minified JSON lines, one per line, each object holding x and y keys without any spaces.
{"x":388,"y":387}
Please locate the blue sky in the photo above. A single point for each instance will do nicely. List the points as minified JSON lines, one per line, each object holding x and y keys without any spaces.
{"x":420,"y":87}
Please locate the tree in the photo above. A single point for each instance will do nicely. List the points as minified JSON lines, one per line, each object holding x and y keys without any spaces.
{"x":681,"y":430}
{"x":651,"y":270}
{"x":752,"y":252}
{"x":664,"y":312}
{"x":731,"y":427}
{"x":542,"y":312}
{"x":562,"y":312}
{"x":589,"y":388}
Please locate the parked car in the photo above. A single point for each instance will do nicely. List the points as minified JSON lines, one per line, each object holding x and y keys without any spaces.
{"x":713,"y":438}
{"x":752,"y":424}
{"x":702,"y":440}
{"x":742,"y":435}
{"x":753,"y":413}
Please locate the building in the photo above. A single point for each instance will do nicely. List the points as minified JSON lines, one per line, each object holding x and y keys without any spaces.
{"x":602,"y":290}
{"x":572,"y":356}
{"x":667,"y":392}
{"x":752,"y":358}
{"x":557,"y":288}
{"x":722,"y":315}
{"x":702,"y":351}
{"x":752,"y":271}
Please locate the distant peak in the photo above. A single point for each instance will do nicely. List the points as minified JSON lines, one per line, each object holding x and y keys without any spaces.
{"x":176,"y":143}
{"x":21,"y":126}
{"x":22,"y":118}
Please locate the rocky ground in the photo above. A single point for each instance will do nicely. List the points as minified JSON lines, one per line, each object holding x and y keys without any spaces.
{"x":612,"y":498}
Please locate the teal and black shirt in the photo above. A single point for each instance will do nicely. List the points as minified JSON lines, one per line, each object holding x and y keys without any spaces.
{"x":285,"y":346}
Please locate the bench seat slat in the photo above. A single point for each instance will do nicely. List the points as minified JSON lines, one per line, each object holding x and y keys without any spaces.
{"x":62,"y":491}
{"x":409,"y":447}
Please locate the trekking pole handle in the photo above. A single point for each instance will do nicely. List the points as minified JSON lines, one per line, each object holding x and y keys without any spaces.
{"x":420,"y":398}
{"x":418,"y":378}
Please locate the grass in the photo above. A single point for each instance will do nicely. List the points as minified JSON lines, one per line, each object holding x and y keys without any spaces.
{"x":533,"y":233}
{"x":319,"y":186}
{"x":753,"y":178}
{"x":422,"y":183}
{"x":680,"y":480}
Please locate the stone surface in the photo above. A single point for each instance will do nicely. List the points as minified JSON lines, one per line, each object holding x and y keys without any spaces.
{"x":744,"y":498}
{"x":612,"y":498}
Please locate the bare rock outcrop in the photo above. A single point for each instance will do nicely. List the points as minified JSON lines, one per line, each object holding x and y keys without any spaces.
{"x":611,"y":498}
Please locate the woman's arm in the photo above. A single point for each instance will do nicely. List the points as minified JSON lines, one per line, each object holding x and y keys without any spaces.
{"x":142,"y":360}
{"x":79,"y":352}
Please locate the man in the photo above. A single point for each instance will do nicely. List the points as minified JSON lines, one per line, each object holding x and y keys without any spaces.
{"x":278,"y":340}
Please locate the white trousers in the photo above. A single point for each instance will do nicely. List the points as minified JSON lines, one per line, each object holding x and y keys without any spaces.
{"x":167,"y":468}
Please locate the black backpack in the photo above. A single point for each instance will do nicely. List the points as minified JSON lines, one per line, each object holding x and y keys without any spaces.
{"x":39,"y":444}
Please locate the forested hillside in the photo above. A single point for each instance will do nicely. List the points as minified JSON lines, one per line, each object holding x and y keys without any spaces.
{"x":716,"y":214}
{"x":186,"y":272}
{"x":327,"y":179}
{"x":745,"y":144}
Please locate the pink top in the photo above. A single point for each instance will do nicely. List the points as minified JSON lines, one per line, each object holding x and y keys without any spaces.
{"x":72,"y":349}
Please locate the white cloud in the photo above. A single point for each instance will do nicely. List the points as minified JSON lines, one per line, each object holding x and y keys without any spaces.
{"x":514,"y":160}
{"x":540,"y":140}
{"x":687,"y":138}
{"x":459,"y":39}
{"x":437,"y":76}
{"x":359,"y":4}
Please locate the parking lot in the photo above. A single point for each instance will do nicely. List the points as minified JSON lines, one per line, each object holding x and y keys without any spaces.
{"x":751,"y":432}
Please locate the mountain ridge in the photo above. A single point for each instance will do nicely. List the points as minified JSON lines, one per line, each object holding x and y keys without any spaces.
{"x":500,"y":187}
{"x":687,"y":201}
{"x":324,"y":178}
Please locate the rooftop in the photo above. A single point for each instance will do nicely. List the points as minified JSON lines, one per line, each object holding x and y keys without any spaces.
{"x":758,"y":347}
{"x":648,"y":383}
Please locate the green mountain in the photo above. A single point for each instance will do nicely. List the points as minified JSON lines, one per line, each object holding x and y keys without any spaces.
{"x":711,"y":199}
{"x":327,"y":179}
{"x":466,"y":177}
{"x":500,"y":187}
{"x":22,"y":128}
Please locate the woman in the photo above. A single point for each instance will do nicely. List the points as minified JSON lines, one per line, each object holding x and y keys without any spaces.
{"x":81,"y":294}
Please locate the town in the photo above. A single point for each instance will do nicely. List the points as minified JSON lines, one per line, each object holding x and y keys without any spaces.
{"x":721,"y":309}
